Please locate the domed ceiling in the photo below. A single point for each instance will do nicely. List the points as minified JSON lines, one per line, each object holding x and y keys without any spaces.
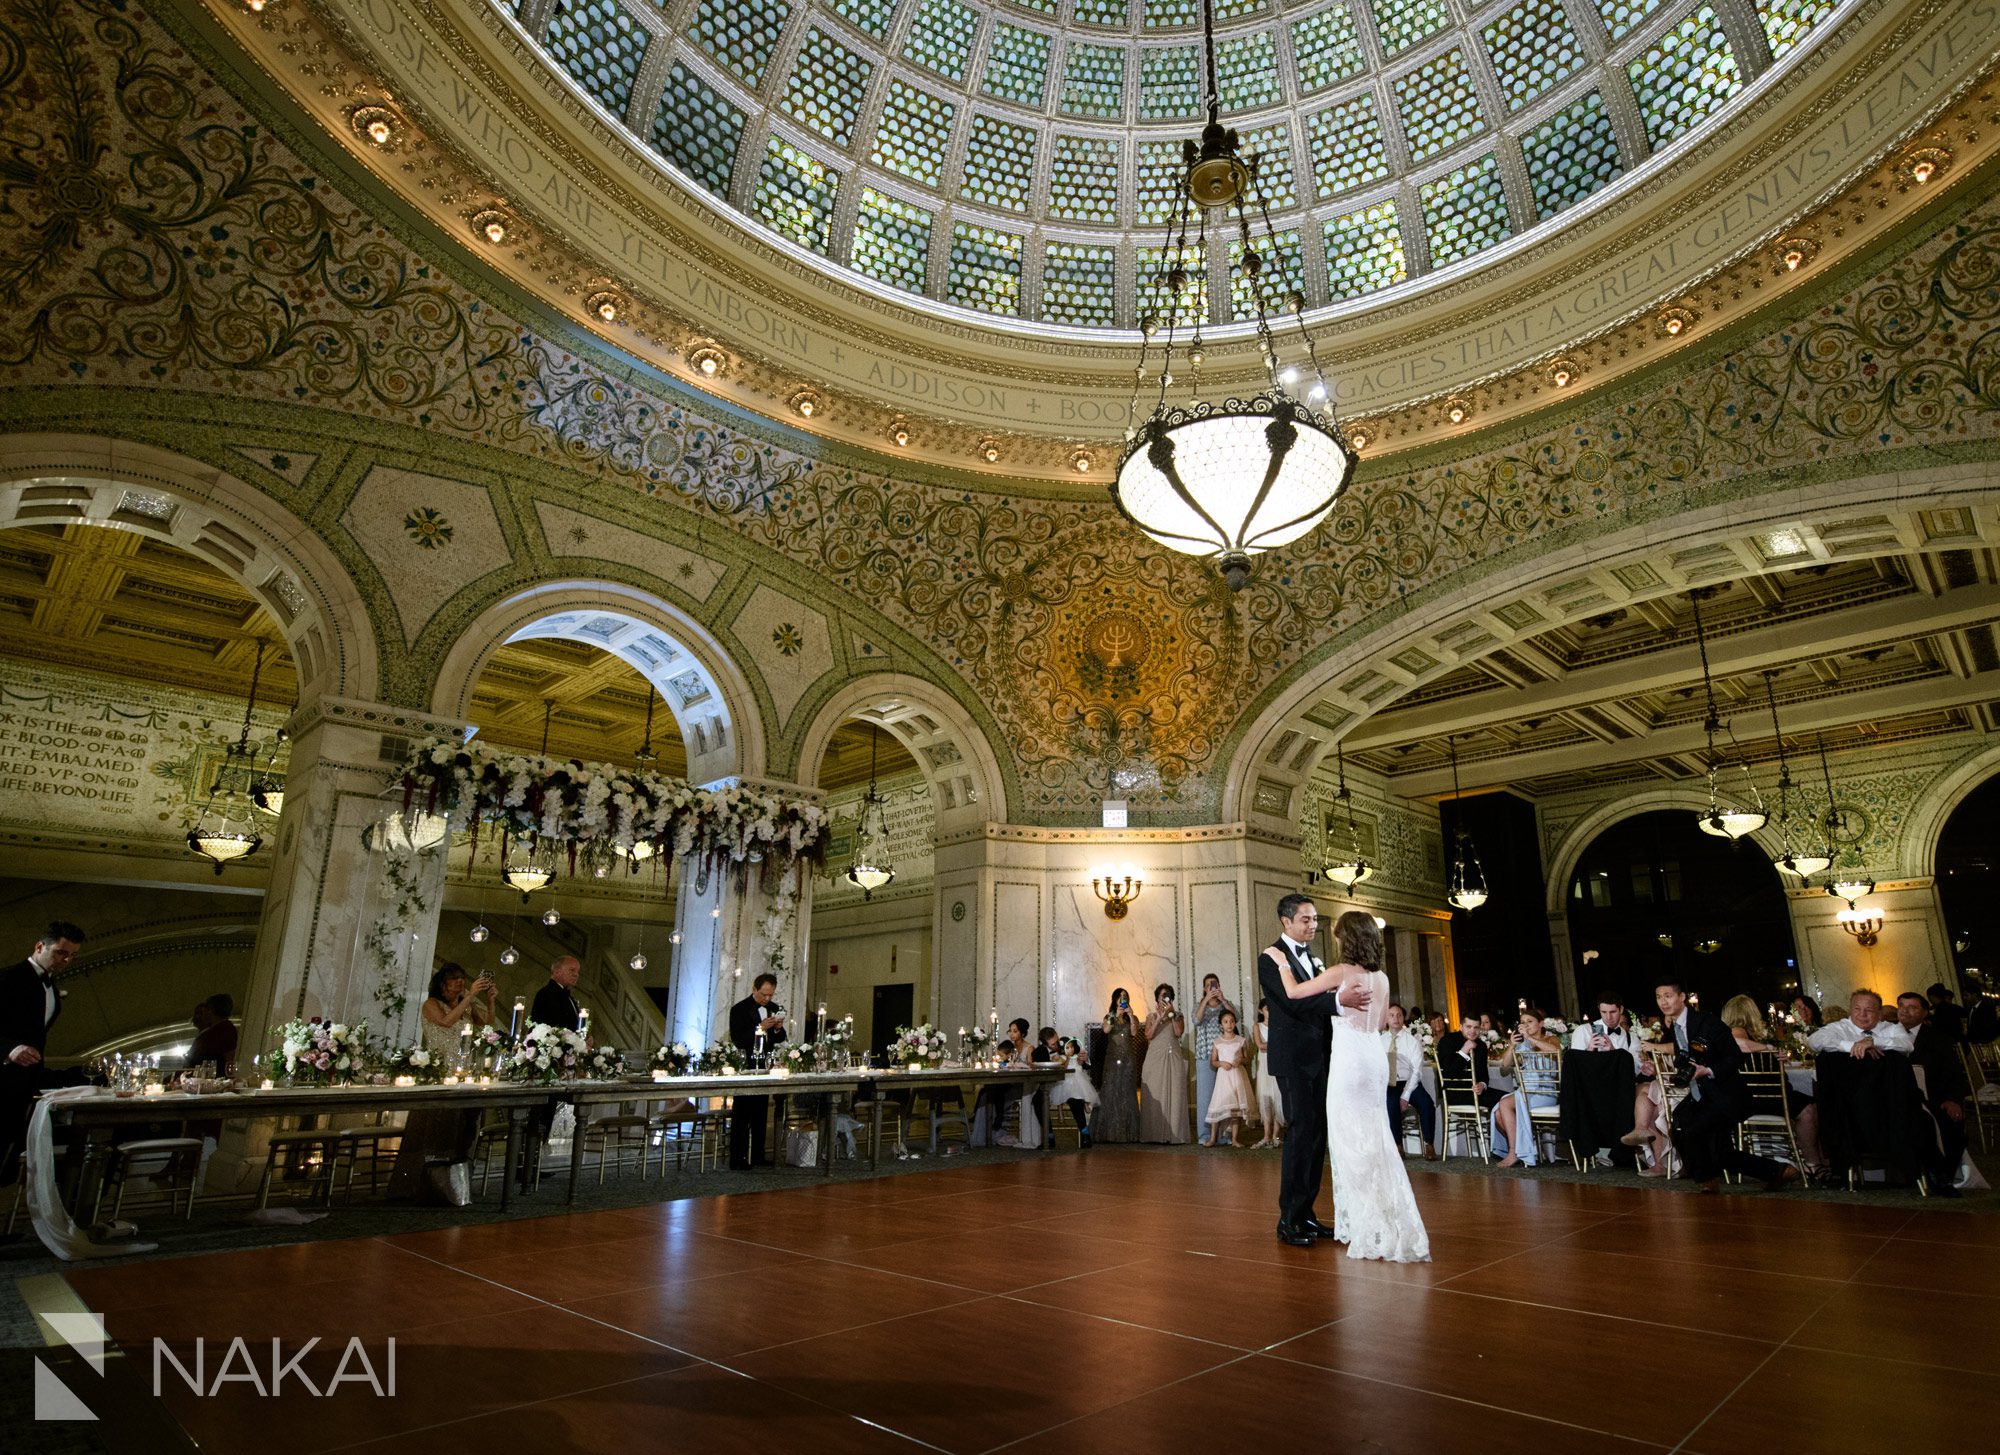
{"x":1020,"y":159}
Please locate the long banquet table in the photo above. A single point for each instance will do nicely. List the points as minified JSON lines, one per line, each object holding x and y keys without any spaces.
{"x":98,"y":1118}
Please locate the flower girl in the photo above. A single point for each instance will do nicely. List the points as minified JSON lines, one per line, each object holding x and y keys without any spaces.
{"x":1232,"y":1104}
{"x":1075,"y":1090}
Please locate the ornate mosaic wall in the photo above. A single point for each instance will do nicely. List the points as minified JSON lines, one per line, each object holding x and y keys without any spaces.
{"x":172,"y":270}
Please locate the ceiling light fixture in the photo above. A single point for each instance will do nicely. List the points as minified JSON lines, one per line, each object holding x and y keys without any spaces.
{"x":989,"y":451}
{"x":1676,"y":320}
{"x":1921,"y":164}
{"x":869,"y":868}
{"x":1561,"y":372}
{"x":1350,"y":868}
{"x":1457,"y":409}
{"x":708,"y":359}
{"x":1800,"y":866}
{"x":1849,"y":887}
{"x":216,"y":835}
{"x":1796,"y":252}
{"x":373,"y":123}
{"x":807,"y":402}
{"x":491,"y":224}
{"x":606,"y":304}
{"x":1722,"y":818}
{"x":899,"y":431}
{"x":268,"y":792}
{"x":1468,"y":880}
{"x":1227,"y":479}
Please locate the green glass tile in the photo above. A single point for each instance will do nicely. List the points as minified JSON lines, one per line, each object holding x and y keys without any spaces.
{"x":601,"y":46}
{"x":1345,"y":143}
{"x":1083,"y":179}
{"x":892,"y":240}
{"x":1168,"y":14}
{"x":1465,"y":211}
{"x":1094,"y":80}
{"x":827,"y":85}
{"x":1169,"y":83}
{"x":1684,"y":77}
{"x":1159,"y":179}
{"x":1438,"y":106}
{"x":1191,"y":306}
{"x":1402,"y":23}
{"x":741,"y":34}
{"x":985,"y":269}
{"x":1080,"y":284}
{"x":1109,"y":13}
{"x":1326,"y":47}
{"x":1571,"y":154}
{"x":999,"y":163}
{"x":1786,"y":22}
{"x":1017,"y":64}
{"x":1364,"y":252}
{"x":795,"y":195}
{"x":697,"y":129}
{"x":941,"y":37}
{"x":1620,"y":16}
{"x":1272,"y":147}
{"x":1532,"y":47}
{"x":1282,"y":273}
{"x":1043,"y":7}
{"x":914,"y":132}
{"x":872,"y":16}
{"x":1247,"y":68}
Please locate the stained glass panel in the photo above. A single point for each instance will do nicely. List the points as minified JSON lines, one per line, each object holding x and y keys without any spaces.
{"x":826,"y":86}
{"x":1364,"y":252}
{"x":741,"y":34}
{"x":1017,"y":64}
{"x":1083,"y":179}
{"x":892,"y":240}
{"x":697,"y":130}
{"x":1465,"y":211}
{"x":1326,"y":47}
{"x":795,"y":195}
{"x":999,"y":163}
{"x":601,"y":46}
{"x":1094,"y":80}
{"x":1532,"y":47}
{"x":1684,"y":77}
{"x":1345,"y":142}
{"x":1080,"y":284}
{"x":1571,"y":154}
{"x":1438,"y":106}
{"x":985,"y":269}
{"x":913,"y":133}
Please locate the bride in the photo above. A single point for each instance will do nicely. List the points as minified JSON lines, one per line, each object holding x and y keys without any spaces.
{"x":1374,"y":1211}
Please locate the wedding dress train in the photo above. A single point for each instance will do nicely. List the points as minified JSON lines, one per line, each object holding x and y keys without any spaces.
{"x":1374,"y":1210}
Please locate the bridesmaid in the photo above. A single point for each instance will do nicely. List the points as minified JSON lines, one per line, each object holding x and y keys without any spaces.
{"x":1163,"y":1106}
{"x":1117,"y":1118}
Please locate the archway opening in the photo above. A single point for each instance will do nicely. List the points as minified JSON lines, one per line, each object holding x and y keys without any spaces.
{"x":128,"y":666}
{"x":1968,"y":888}
{"x":872,"y":949}
{"x":1653,"y":895}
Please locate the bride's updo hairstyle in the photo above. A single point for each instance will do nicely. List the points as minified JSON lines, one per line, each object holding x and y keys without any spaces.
{"x":1358,"y":939}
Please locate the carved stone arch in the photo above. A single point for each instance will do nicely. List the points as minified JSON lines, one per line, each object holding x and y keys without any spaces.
{"x":52,"y":479}
{"x":1561,"y":858}
{"x":1924,"y":824}
{"x":958,"y":762}
{"x":707,"y":693}
{"x":1274,"y":750}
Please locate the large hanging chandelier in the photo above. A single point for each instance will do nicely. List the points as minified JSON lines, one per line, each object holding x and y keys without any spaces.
{"x":1789,"y":860}
{"x":1724,"y":817}
{"x":267,"y":793}
{"x":870,"y":869}
{"x":1226,"y":479}
{"x":1467,"y":887}
{"x":220,"y":835}
{"x":1350,"y":868}
{"x":1841,"y":885}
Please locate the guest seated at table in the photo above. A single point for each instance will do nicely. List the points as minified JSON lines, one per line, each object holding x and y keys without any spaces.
{"x":1946,"y":1087}
{"x":1612,"y":1030}
{"x":1871,"y":1113}
{"x":1463,"y":1051}
{"x":1532,"y":1056}
{"x":1805,"y":1010}
{"x":214,"y":1036}
{"x":1705,"y":1122}
{"x":1406,"y":1087}
{"x":1753,"y":1033}
{"x":1946,"y":1014}
{"x":989,"y":1115}
{"x":452,"y":1003}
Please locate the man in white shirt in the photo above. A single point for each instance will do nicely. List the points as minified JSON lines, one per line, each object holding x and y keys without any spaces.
{"x":1406,"y":1088}
{"x":1865,"y":1033}
{"x":1611,"y":1031}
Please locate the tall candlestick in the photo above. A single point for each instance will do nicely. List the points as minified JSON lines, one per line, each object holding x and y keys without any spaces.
{"x":520,"y":1012}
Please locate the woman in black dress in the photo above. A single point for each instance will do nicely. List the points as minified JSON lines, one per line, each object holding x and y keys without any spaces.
{"x":1117,"y":1118}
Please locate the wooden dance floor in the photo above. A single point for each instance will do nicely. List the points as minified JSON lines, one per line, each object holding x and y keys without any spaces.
{"x":1117,"y":1301}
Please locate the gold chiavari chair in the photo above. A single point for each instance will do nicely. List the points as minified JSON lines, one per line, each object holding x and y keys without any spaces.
{"x":1981,"y":1072}
{"x":1539,"y":1075}
{"x":1661,"y":1056}
{"x":1768,"y":1129}
{"x":1458,"y":1104}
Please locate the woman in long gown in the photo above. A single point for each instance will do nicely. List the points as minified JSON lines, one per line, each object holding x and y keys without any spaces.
{"x":1163,"y":1080}
{"x":1117,"y":1118}
{"x":441,"y":1134}
{"x":1374,"y":1210}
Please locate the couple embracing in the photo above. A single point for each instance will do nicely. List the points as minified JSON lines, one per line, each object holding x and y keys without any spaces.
{"x":1327,"y":1055}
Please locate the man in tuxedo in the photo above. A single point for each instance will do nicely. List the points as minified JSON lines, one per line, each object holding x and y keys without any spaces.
{"x":29,"y":1005}
{"x":1705,"y":1122}
{"x":1463,"y":1050}
{"x":554,"y":1005}
{"x":754,"y":1013}
{"x":1300,"y":1051}
{"x":1934,"y":1051}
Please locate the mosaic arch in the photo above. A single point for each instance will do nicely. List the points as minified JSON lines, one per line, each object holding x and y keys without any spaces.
{"x":1482,"y":610}
{"x":1019,"y":159}
{"x":1561,"y":861}
{"x":65,"y":479}
{"x":711,"y":700}
{"x":1924,"y":824}
{"x":964,"y":773}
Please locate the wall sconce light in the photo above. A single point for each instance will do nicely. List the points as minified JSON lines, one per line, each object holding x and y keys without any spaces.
{"x":989,"y":451}
{"x":1117,"y":888}
{"x":1082,"y":461}
{"x":807,"y":403}
{"x":899,"y":431}
{"x":1864,"y":924}
{"x":1360,"y":435}
{"x":1458,"y":409}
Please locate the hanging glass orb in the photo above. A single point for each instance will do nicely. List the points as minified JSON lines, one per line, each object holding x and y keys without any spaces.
{"x":674,"y":938}
{"x":480,"y":934}
{"x":639,"y":961}
{"x":551,"y":916}
{"x":509,"y":956}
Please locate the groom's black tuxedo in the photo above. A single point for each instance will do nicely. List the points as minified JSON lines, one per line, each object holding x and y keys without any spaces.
{"x":1301,"y":1046}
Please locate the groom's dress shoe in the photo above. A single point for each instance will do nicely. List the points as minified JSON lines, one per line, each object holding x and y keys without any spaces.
{"x":1317,"y":1229}
{"x":1295,"y":1235}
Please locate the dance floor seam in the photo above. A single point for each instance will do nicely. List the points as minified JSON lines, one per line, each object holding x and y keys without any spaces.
{"x":1116,"y":1301}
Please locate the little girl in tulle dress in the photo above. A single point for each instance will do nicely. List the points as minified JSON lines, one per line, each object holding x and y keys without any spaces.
{"x":1233,"y":1103}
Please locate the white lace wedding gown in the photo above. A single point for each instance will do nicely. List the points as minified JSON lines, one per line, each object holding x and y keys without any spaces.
{"x":1374,"y":1211}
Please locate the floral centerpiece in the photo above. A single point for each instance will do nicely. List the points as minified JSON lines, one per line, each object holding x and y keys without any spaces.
{"x":916,"y":1047}
{"x":721,"y":1059}
{"x":417,"y":1062}
{"x":1422,"y":1031}
{"x":316,"y":1051}
{"x":546,"y":1053}
{"x":1493,"y":1039}
{"x":675,"y":1060}
{"x":606,"y":1063}
{"x":1555,"y":1026}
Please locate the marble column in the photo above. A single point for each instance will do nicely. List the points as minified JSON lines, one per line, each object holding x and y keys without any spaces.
{"x":730,"y":936}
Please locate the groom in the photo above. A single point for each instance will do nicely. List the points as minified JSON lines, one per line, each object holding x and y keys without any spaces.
{"x":1301,"y":1048}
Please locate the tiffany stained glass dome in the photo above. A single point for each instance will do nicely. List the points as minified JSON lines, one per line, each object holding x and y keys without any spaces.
{"x":1019,"y":158}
